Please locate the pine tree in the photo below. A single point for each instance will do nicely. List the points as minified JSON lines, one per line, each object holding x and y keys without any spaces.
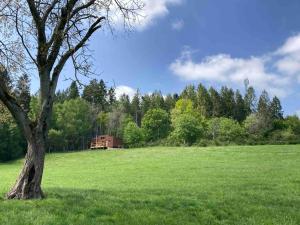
{"x":215,"y":102}
{"x":263,"y":107}
{"x":276,"y":109}
{"x":189,"y":92}
{"x":203,"y":101}
{"x":111,"y":96}
{"x":170,"y":102}
{"x":73,"y":91}
{"x":228,"y":104}
{"x":96,"y":93}
{"x":157,"y":100}
{"x":239,"y":109}
{"x":125,"y":104}
{"x":136,"y":108}
{"x":250,"y":100}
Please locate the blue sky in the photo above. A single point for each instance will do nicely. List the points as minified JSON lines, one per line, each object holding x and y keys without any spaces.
{"x":215,"y":42}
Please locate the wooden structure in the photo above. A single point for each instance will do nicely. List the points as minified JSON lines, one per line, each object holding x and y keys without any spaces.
{"x":106,"y":141}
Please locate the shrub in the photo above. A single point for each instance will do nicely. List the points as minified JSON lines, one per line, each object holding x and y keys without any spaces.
{"x":133,"y":135}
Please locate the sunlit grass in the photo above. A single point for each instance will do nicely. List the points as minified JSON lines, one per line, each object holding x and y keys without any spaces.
{"x":216,"y":185}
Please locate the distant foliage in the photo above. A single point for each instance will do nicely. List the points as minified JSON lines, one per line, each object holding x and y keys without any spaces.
{"x":196,"y":116}
{"x":133,"y":135}
{"x":156,"y":124}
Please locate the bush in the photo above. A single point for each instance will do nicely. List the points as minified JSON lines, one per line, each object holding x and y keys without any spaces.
{"x":187,"y":129}
{"x":225,"y":130}
{"x":133,"y":135}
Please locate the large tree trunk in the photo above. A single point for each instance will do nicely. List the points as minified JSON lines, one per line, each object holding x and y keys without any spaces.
{"x":28,"y":185}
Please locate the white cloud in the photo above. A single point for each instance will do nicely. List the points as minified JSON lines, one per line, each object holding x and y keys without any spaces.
{"x":122,"y":89}
{"x":298,"y":113}
{"x":274,"y":72}
{"x":177,"y":25}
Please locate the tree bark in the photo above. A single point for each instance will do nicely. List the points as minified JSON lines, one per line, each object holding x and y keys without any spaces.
{"x":28,"y":184}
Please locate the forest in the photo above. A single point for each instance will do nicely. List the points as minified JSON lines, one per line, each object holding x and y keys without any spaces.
{"x":197,"y":116}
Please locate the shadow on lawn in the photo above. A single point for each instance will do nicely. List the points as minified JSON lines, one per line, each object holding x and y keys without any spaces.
{"x":77,"y":206}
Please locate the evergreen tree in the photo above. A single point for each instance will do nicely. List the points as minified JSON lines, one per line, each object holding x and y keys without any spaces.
{"x":203,"y":101}
{"x":73,"y":91}
{"x":170,"y":102}
{"x":228,"y":104}
{"x":146,"y":104}
{"x":240,"y":113}
{"x":276,"y":109}
{"x":136,"y":108}
{"x":111,"y":96}
{"x":263,"y":107}
{"x":189,"y":92}
{"x":125,"y":104}
{"x":157,"y":100}
{"x":96,"y":93}
{"x":216,"y":103}
{"x":250,"y":100}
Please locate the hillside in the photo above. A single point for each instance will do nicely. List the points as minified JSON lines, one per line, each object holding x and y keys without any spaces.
{"x":216,"y":185}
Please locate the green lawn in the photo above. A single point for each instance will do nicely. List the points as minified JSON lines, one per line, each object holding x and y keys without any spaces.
{"x":213,"y":185}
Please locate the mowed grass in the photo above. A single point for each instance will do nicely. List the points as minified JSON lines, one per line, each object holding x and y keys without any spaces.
{"x":214,"y":185}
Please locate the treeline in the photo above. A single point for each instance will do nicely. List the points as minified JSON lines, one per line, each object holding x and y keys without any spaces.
{"x":197,"y":116}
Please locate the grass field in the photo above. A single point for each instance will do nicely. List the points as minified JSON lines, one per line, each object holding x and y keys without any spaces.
{"x":214,"y":185}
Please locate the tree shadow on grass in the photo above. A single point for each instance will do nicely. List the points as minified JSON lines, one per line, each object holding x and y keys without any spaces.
{"x":141,"y":207}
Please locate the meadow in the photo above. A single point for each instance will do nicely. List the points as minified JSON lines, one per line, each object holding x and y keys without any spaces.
{"x":162,"y":185}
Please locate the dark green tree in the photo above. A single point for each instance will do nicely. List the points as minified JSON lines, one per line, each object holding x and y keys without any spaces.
{"x":276,"y":109}
{"x":228,"y":103}
{"x":111,"y":96}
{"x":136,"y":108}
{"x":189,"y":92}
{"x":240,"y":112}
{"x":203,"y":101}
{"x":125,"y":104}
{"x":156,"y":124}
{"x":263,"y":107}
{"x":73,"y":91}
{"x":96,"y":93}
{"x":250,"y":100}
{"x":216,"y":103}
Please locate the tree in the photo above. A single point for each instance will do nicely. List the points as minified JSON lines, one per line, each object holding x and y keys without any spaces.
{"x":225,"y":129}
{"x":188,"y":125}
{"x":96,"y":93}
{"x":136,"y":108}
{"x":133,"y":135}
{"x":203,"y":101}
{"x":215,"y":102}
{"x":43,"y":36}
{"x":156,"y":124}
{"x":240,"y":111}
{"x":263,"y":107}
{"x":111,"y":96}
{"x":276,"y":109}
{"x":73,"y":118}
{"x":250,"y":100}
{"x":170,"y":102}
{"x":187,"y":128}
{"x":227,"y":98}
{"x":73,"y":91}
{"x":189,"y":92}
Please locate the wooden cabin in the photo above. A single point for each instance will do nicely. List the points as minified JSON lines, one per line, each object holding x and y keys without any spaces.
{"x":106,"y":141}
